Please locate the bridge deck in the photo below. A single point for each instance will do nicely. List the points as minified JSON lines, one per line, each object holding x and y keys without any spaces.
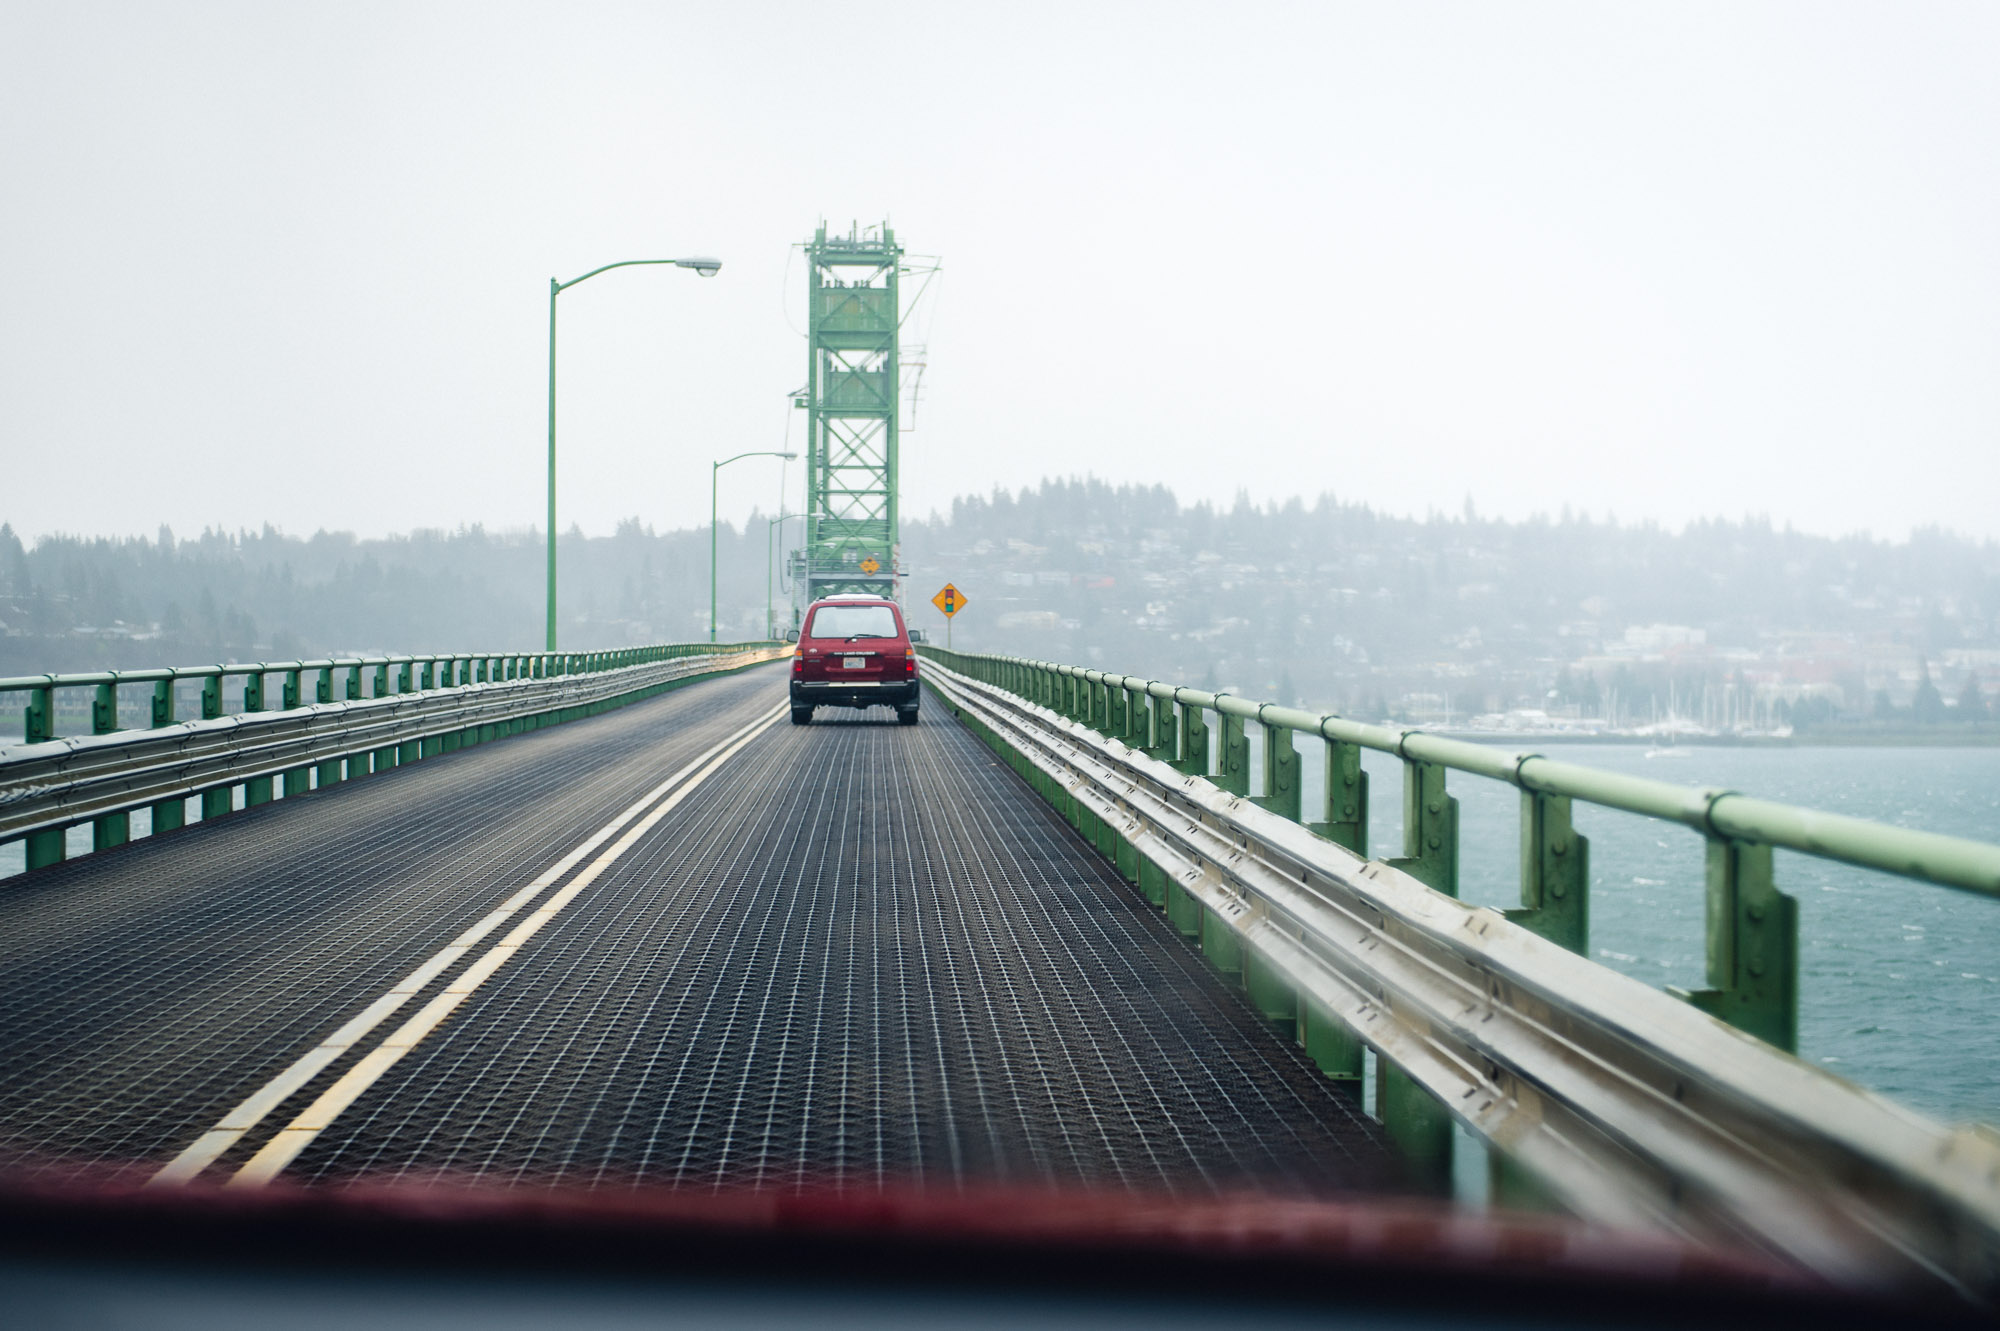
{"x":852,"y":951}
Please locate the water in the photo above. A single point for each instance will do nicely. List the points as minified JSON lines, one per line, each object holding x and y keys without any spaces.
{"x":1900,"y":981}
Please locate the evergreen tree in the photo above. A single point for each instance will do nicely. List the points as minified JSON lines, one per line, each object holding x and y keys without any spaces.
{"x":1928,"y":704}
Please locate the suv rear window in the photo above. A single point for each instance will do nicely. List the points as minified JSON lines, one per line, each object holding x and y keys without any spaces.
{"x":853,"y":621}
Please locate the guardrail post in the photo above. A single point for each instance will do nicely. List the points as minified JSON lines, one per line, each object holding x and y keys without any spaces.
{"x":1282,"y":795}
{"x":1117,"y":709}
{"x":1138,"y":719}
{"x":1164,"y":746}
{"x":1555,"y":873}
{"x":111,"y":829}
{"x":38,"y":719}
{"x":381,"y":760}
{"x":1193,"y":758}
{"x":299,"y":779}
{"x":411,"y":749}
{"x":1430,"y":828}
{"x":1232,"y":766}
{"x":1346,"y":798}
{"x":257,"y":790}
{"x":1418,"y":1125}
{"x":1335,"y":1050}
{"x":167,"y":814}
{"x":329,"y":772}
{"x":1753,"y":946}
{"x":214,"y":803}
{"x":354,"y":682}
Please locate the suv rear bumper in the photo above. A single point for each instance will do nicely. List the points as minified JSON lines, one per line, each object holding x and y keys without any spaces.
{"x":902,"y":693}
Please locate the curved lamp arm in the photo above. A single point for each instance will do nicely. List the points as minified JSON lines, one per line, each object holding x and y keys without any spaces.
{"x":705,"y":266}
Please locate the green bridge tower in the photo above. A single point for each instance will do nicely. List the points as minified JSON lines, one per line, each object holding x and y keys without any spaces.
{"x":853,"y":541}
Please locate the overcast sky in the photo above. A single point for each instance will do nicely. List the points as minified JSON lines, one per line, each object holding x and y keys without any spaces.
{"x":290,"y":263}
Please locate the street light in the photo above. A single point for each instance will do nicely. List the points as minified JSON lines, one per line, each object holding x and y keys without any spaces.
{"x":707,"y":268}
{"x":714,"y":470}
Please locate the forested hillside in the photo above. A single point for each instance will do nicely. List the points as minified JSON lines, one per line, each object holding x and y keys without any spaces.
{"x":1326,"y":602}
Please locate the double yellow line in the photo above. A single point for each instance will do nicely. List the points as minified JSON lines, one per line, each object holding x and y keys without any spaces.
{"x":315,"y":1118}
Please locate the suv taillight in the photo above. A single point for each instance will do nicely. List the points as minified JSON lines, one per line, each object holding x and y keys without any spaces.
{"x":910,"y":662}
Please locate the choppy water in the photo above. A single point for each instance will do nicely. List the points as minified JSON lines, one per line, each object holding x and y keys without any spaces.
{"x":1900,"y":986}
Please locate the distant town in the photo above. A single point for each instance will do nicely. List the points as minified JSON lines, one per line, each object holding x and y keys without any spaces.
{"x":1562,"y":626}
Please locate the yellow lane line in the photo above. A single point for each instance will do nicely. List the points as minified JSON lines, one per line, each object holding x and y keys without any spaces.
{"x":208,"y":1147}
{"x":315,"y":1118}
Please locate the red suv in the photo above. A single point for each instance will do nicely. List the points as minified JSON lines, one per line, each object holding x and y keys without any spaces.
{"x":854,"y":651}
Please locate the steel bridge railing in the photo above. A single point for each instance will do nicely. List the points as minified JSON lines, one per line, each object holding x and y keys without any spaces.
{"x":1752,"y":944}
{"x":365,"y":714}
{"x":1590,"y":1088}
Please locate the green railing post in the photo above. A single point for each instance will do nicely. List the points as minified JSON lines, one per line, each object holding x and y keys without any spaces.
{"x":1555,"y":873}
{"x":1282,"y":794}
{"x":1138,"y":719}
{"x":354,"y":682}
{"x":1163,"y":746}
{"x":257,"y":790}
{"x":214,"y":803}
{"x":104,"y":709}
{"x":38,"y":720}
{"x":167,"y":814}
{"x":1418,"y":1125}
{"x":1193,"y":758}
{"x":111,"y":829}
{"x":1232,"y":766}
{"x":1430,"y":828}
{"x":1753,"y":945}
{"x":1346,"y":808}
{"x":298,"y":780}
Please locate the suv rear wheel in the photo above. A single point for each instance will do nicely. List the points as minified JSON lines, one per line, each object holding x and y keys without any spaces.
{"x":906,"y":716}
{"x":802,"y":716}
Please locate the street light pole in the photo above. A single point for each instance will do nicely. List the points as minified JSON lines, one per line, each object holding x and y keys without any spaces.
{"x":714,"y":471}
{"x":707,"y":268}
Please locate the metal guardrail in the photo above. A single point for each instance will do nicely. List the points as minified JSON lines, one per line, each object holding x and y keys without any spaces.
{"x":418,"y":706}
{"x":1614,"y":1099}
{"x":1752,"y":943}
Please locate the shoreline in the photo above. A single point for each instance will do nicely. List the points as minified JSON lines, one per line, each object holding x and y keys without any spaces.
{"x":1888,"y":739}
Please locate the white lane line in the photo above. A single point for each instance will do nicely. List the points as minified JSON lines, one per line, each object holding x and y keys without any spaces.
{"x":208,"y":1147}
{"x":315,"y":1118}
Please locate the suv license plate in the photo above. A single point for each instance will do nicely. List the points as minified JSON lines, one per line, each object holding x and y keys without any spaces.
{"x":853,"y":662}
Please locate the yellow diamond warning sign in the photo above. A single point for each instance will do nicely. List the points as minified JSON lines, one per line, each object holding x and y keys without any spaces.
{"x":950,"y":600}
{"x":871,"y":564}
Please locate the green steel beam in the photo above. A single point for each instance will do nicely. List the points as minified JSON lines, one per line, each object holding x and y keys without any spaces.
{"x":853,"y":367}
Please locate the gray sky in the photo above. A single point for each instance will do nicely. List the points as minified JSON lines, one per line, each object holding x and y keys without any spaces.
{"x":290,"y":263}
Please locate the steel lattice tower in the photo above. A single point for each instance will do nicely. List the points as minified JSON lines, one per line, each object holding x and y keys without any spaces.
{"x":853,"y":541}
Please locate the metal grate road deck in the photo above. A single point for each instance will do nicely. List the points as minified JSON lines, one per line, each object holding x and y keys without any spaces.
{"x":869,"y":953}
{"x":858,"y":952}
{"x":146,"y":990}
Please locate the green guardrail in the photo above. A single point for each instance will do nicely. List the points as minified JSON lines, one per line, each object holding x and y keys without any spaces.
{"x":333,"y":680}
{"x":1752,"y":927}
